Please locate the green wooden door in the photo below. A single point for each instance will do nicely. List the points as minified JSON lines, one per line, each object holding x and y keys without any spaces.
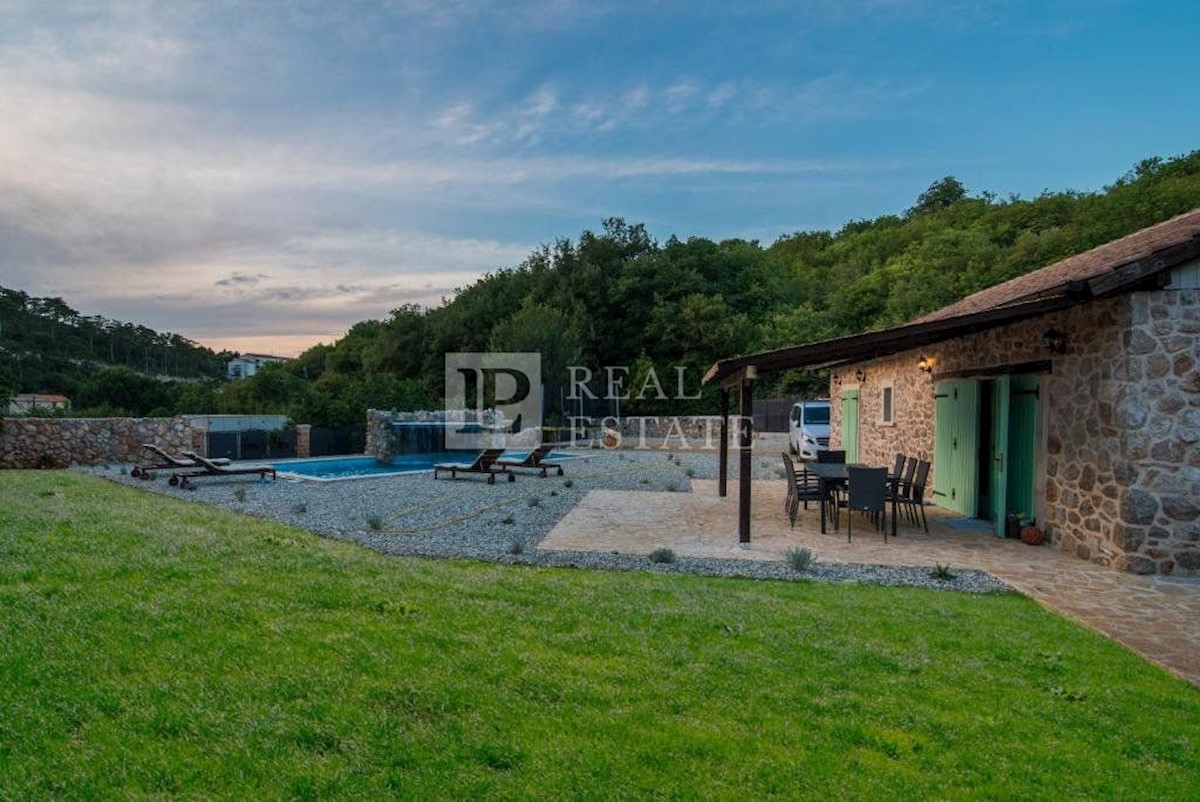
{"x":999,"y":453}
{"x":1022,"y":444}
{"x":956,"y":446}
{"x":850,"y":424}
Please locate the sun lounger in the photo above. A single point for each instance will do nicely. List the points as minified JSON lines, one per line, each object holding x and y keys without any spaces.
{"x":163,"y":460}
{"x":484,"y":463}
{"x":206,"y":467}
{"x":535,"y":459}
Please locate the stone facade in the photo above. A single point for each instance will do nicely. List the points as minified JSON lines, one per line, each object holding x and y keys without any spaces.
{"x":60,"y":442}
{"x":1118,"y":476}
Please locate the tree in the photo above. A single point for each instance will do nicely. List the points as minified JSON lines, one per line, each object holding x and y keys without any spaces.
{"x":538,"y":328}
{"x":942,"y":194}
{"x":122,"y":389}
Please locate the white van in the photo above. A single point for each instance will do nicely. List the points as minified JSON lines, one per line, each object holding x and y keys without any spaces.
{"x":808,"y":428}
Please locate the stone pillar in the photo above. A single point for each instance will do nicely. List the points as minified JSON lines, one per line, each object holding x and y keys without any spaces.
{"x":200,"y":437}
{"x":303,"y":440}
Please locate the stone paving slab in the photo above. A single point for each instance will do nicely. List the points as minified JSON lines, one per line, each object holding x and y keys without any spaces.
{"x":1157,"y":617}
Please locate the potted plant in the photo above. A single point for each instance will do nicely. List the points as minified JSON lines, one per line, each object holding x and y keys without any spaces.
{"x":1030,"y":534}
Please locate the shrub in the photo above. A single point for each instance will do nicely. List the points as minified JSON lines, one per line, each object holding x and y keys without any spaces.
{"x":508,"y":520}
{"x":300,"y":508}
{"x":662,"y":555}
{"x":533,"y":501}
{"x":645,"y":481}
{"x":798,"y":559}
{"x":942,"y":572}
{"x":240,"y":494}
{"x":569,"y":483}
{"x":553,"y":492}
{"x":672,"y":487}
{"x":690,"y":472}
{"x":375,"y":522}
{"x":516,"y":546}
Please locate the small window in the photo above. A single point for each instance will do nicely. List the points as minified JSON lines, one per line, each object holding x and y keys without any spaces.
{"x":887,"y":404}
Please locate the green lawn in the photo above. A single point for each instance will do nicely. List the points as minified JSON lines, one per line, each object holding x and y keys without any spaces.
{"x":150,"y":647}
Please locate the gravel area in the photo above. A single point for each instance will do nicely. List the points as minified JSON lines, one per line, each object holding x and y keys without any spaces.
{"x":504,"y":523}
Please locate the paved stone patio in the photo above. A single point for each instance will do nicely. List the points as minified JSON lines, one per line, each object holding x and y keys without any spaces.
{"x":1157,"y":617}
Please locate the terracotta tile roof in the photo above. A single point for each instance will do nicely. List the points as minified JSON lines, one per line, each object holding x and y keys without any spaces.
{"x":1079,"y":267}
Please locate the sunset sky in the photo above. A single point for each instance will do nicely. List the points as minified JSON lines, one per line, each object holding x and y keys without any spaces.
{"x":260,"y":176}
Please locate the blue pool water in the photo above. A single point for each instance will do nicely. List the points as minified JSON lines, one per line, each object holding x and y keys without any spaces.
{"x":353,"y":467}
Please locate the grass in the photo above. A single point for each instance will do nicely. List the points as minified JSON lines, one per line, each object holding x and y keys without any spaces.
{"x":151,"y":647}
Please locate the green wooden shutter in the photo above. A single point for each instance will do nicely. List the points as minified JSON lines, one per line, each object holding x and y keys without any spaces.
{"x":998,"y":451}
{"x":1022,"y":444}
{"x":850,"y":424}
{"x":955,"y":446}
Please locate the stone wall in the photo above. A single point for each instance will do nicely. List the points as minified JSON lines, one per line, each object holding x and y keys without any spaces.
{"x":60,"y":442}
{"x":1159,"y":409}
{"x":1120,"y":473}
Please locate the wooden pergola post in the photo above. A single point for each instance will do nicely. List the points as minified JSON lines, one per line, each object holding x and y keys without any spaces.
{"x":723,"y":448}
{"x":745,"y":443}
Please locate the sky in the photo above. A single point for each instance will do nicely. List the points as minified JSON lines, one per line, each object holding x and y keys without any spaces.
{"x":260,"y":176}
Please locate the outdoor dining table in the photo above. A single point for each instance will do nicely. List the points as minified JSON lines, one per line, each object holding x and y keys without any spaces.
{"x":833,"y":474}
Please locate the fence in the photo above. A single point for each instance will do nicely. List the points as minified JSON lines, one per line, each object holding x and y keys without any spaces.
{"x":253,"y":444}
{"x":327,"y":441}
{"x":771,"y":414}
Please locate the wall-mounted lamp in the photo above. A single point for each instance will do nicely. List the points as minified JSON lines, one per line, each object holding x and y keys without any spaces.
{"x":925,"y":365}
{"x":858,"y":374}
{"x":1055,"y":340}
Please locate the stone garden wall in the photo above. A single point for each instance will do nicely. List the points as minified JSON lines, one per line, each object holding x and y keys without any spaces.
{"x":61,"y":442}
{"x":1119,"y":479}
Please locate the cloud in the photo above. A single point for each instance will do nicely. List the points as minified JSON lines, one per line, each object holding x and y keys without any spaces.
{"x":241,"y":279}
{"x":182,"y":163}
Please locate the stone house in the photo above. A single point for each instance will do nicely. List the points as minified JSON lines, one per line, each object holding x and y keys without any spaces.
{"x":246,"y":365}
{"x":34,"y":403}
{"x":1070,"y":395}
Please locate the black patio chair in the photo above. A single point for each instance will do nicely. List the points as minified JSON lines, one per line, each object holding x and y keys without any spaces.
{"x":900,"y":480}
{"x":914,"y":499}
{"x":866,"y":492}
{"x":831,"y":456}
{"x":802,"y":487}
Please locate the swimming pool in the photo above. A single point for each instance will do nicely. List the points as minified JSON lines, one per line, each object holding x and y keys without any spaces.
{"x":328,"y":469}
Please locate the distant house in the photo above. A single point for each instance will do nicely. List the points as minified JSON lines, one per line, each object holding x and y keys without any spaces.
{"x":247,"y":365}
{"x":32,"y":403}
{"x":1070,"y":394}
